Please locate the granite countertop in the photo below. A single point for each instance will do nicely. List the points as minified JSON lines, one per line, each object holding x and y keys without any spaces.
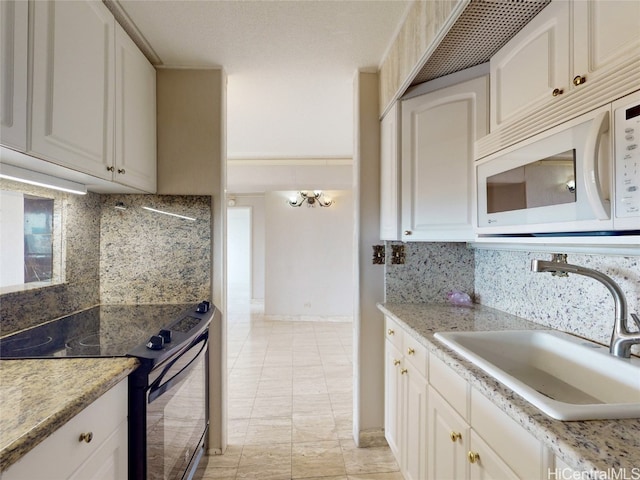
{"x":39,"y":396}
{"x":594,"y":445}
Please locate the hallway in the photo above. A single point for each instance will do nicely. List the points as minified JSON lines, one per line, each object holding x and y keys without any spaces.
{"x":290,"y":403}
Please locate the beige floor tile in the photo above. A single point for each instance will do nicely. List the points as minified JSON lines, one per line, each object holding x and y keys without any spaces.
{"x":219,"y":473}
{"x":313,"y":428}
{"x":278,"y":454}
{"x":266,"y":407}
{"x":317,"y":459}
{"x":230,"y":459}
{"x":268,"y":431}
{"x":314,"y":404}
{"x":237,"y":431}
{"x":377,"y":476}
{"x":367,"y":460}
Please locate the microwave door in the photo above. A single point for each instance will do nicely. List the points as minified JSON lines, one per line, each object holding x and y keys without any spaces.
{"x":556,"y":181}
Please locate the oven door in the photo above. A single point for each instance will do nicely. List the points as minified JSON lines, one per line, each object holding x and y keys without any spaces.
{"x":558,"y":181}
{"x":177,"y":419}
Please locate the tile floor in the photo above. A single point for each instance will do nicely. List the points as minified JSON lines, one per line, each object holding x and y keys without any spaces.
{"x":290,"y":403}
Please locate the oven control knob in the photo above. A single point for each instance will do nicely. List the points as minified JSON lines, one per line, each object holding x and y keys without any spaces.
{"x":203,"y":307}
{"x":155,"y":342}
{"x":166,"y":335}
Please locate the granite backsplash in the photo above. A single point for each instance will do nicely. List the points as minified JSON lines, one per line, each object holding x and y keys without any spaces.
{"x":119,"y":256}
{"x":502,"y":279}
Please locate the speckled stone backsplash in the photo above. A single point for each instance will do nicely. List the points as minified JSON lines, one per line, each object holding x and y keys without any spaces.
{"x":575,"y":304}
{"x":430,"y":271}
{"x":148,"y":257}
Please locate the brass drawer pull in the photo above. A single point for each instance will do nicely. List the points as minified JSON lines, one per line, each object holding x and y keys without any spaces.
{"x":411,"y":351}
{"x":403,"y":371}
{"x":473,"y":457}
{"x":579,"y":80}
{"x":455,"y":436}
{"x":557,"y":91}
{"x":390,"y":332}
{"x":396,"y":362}
{"x":86,"y":437}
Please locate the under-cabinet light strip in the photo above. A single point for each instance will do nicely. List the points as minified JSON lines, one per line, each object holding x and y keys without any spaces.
{"x":169,"y":213}
{"x":18,"y":174}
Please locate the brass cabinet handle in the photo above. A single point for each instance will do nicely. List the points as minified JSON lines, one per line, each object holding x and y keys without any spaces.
{"x":579,"y":80}
{"x":411,"y":351}
{"x":403,"y":371}
{"x":396,"y":362}
{"x":407,"y":232}
{"x":110,"y":169}
{"x":390,"y":332}
{"x":121,"y":170}
{"x":473,"y":457}
{"x":86,"y":437}
{"x":557,"y":91}
{"x":455,"y":436}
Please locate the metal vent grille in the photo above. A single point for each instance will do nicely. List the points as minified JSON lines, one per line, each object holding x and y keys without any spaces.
{"x":482,"y":29}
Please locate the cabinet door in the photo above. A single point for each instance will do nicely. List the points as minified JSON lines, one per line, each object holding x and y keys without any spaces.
{"x":13,"y":74}
{"x":135,"y":155}
{"x":447,"y":441}
{"x":393,"y":397}
{"x":606,"y":37}
{"x":390,"y":175}
{"x":438,"y":134}
{"x":527,"y":70}
{"x":73,"y":87}
{"x":109,"y":461}
{"x":414,"y":444}
{"x":486,"y":464}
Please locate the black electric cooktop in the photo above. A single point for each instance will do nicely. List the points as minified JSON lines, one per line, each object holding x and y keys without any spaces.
{"x":101,"y":331}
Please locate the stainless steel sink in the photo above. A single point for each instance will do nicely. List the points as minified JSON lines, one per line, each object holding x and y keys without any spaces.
{"x":566,"y":377}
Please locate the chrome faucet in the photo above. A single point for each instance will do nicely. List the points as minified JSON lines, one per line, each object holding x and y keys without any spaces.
{"x":621,"y":338}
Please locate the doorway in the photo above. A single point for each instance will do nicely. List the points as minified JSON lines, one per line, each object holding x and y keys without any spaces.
{"x":239,"y":259}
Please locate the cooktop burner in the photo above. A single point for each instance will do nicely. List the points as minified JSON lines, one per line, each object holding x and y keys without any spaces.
{"x":101,"y":331}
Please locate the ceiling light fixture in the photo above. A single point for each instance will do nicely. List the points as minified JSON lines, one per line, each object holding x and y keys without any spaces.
{"x":169,"y":213}
{"x":41,"y":180}
{"x":311,"y":199}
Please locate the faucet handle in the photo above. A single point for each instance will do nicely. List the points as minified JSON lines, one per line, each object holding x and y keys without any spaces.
{"x":636,"y":319}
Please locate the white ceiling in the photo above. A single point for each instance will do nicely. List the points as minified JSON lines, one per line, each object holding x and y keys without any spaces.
{"x":290,"y":63}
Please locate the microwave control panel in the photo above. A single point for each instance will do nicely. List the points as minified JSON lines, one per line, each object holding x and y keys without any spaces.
{"x":627,"y":157}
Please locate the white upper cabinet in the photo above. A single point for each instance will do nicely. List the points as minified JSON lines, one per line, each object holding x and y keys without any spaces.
{"x":73,"y":85}
{"x":390,"y":174}
{"x":438,"y":134}
{"x":573,"y":57}
{"x":135,"y":136}
{"x":533,"y":67}
{"x":14,"y":21}
{"x":606,"y":37}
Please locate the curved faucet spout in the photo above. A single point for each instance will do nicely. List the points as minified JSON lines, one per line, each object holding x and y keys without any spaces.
{"x":621,"y":338}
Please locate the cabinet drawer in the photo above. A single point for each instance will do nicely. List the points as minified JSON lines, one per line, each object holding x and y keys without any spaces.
{"x":416,"y":354}
{"x":508,"y":439}
{"x":453,"y":388}
{"x":63,"y":452}
{"x":393,"y":332}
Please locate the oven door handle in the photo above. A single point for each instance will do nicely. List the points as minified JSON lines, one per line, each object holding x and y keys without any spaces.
{"x":157,"y":388}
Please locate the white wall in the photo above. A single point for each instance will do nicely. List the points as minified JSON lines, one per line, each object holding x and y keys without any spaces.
{"x":265,"y":117}
{"x":309,"y":257}
{"x":11,"y":238}
{"x":239,"y":256}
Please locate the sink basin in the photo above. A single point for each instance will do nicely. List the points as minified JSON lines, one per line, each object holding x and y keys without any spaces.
{"x":566,"y":377}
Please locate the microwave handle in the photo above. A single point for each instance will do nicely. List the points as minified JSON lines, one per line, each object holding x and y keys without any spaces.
{"x":599,"y":126}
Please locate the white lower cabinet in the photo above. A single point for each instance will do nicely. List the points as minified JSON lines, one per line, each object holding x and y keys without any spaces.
{"x":439,"y":428}
{"x":406,"y":401}
{"x":91,"y":446}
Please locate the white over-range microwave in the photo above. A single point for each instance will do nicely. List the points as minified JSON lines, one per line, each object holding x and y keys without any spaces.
{"x":581,"y":176}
